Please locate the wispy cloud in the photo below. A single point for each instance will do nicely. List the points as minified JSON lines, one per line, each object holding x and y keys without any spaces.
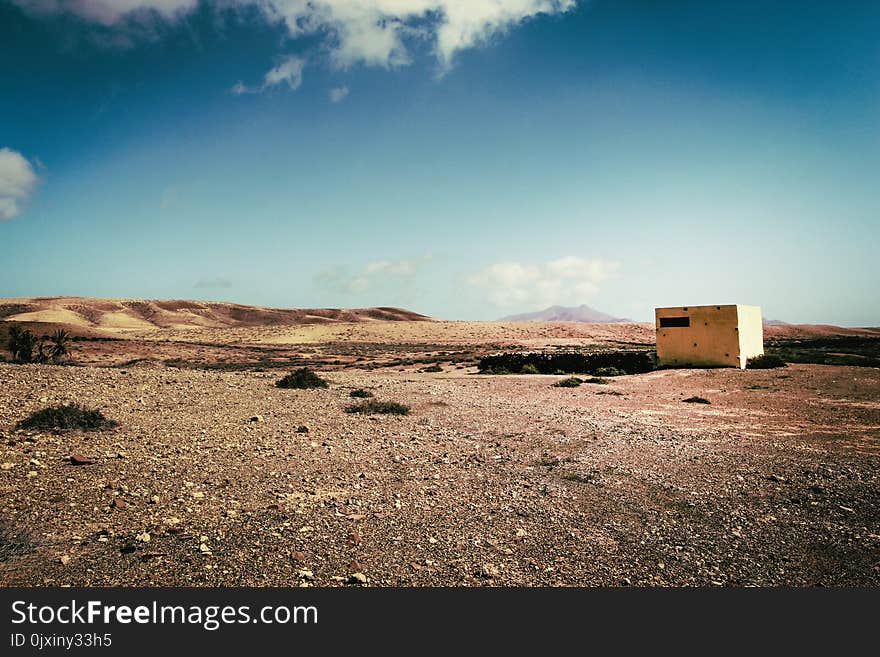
{"x":338,"y":94}
{"x":289,"y":71}
{"x":169,"y":197}
{"x":213,"y":283}
{"x":371,"y":32}
{"x":376,"y":274}
{"x":239,"y":88}
{"x":566,"y":280}
{"x":109,"y":12}
{"x":17,"y":182}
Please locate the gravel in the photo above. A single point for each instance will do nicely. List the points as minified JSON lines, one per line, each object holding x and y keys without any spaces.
{"x":211,"y":478}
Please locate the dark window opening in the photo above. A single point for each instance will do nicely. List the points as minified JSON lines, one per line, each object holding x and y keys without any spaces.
{"x":674,"y":321}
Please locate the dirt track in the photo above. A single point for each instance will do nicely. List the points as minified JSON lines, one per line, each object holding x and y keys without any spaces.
{"x":499,"y":480}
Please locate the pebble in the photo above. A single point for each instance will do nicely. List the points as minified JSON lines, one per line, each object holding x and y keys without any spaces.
{"x":490,"y":571}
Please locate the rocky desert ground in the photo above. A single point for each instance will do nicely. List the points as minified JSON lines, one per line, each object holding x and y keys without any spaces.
{"x":214,"y":476}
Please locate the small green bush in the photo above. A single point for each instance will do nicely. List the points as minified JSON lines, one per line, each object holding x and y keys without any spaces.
{"x":697,"y":400}
{"x":360,"y":393}
{"x":14,"y":542}
{"x":582,"y":477}
{"x":432,"y":368}
{"x":571,"y":382}
{"x":609,"y":371}
{"x":67,"y":418}
{"x":302,"y":378}
{"x":765,"y":362}
{"x":596,"y":380}
{"x":528,"y":368}
{"x":372,"y":407}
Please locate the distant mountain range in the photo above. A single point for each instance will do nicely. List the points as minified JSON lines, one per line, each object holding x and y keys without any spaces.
{"x":584,"y":313}
{"x":581,"y":313}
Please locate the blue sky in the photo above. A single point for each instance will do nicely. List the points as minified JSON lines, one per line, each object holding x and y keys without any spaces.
{"x":465,"y":160}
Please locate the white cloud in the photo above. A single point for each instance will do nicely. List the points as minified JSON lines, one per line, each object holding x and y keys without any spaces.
{"x":289,"y":71}
{"x":568,"y":280}
{"x":107,"y":12}
{"x":338,"y":94}
{"x":17,"y":181}
{"x":215,"y":282}
{"x":373,"y":275}
{"x":371,"y":32}
{"x":239,"y":88}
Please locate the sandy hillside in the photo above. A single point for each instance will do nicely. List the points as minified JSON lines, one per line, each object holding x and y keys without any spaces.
{"x":139,"y":314}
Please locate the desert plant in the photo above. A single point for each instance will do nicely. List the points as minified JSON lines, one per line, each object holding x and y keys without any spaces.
{"x":58,"y":342}
{"x":528,"y":368}
{"x":609,"y":371}
{"x":301,"y":379}
{"x":14,"y":543}
{"x":12,"y":339}
{"x":583,"y":477}
{"x":21,"y":344}
{"x":573,"y":362}
{"x":764,"y":362}
{"x":571,"y":382}
{"x":360,"y":393}
{"x":67,"y":418}
{"x":41,"y":356}
{"x":432,"y":368}
{"x":697,"y":400}
{"x":378,"y":407}
{"x":596,"y":380}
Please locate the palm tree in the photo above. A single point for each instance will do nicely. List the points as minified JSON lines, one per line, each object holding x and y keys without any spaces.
{"x":58,"y":341}
{"x":13,"y":340}
{"x":42,"y":356}
{"x":21,"y":343}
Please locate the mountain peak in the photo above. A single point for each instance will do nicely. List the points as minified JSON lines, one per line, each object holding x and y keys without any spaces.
{"x":582,"y":313}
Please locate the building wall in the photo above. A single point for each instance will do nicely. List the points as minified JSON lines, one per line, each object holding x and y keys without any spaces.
{"x":751,"y":332}
{"x":715,"y":335}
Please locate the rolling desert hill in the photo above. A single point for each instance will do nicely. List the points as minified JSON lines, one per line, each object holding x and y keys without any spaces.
{"x":84,"y":314}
